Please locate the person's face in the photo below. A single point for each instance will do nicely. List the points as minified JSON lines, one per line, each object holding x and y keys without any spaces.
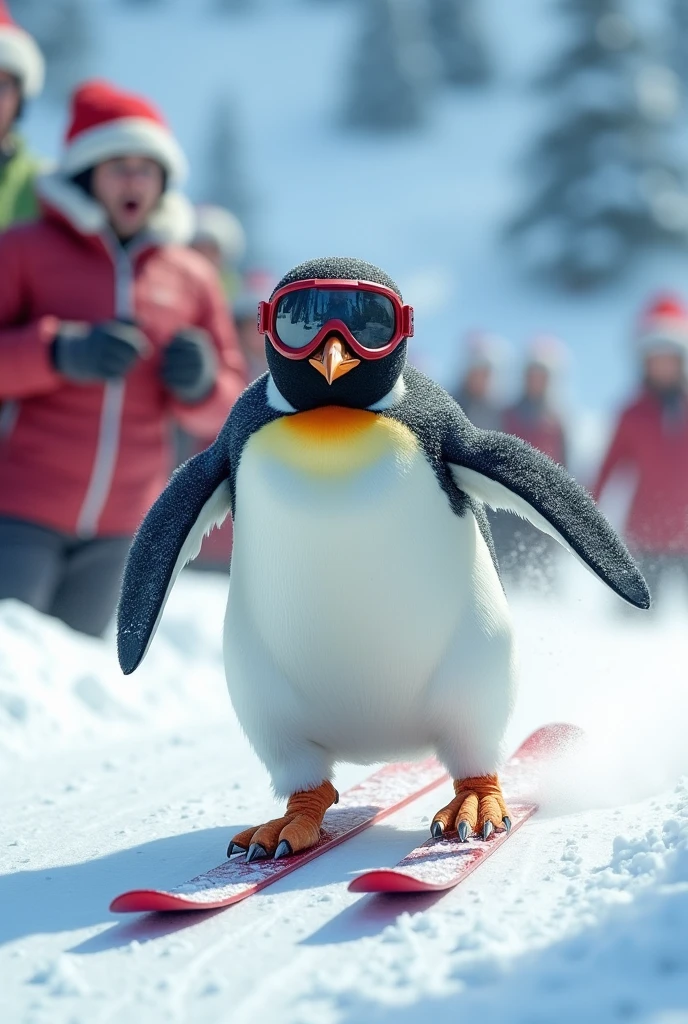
{"x":664,"y":369}
{"x":10,"y":98}
{"x":129,"y":189}
{"x":478,"y":380}
{"x":537,"y":381}
{"x":210,"y":251}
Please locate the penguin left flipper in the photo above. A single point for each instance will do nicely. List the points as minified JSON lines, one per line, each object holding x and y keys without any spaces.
{"x":504,"y":472}
{"x":196,"y":499}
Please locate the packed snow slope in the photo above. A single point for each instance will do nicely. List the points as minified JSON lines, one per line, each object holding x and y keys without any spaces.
{"x":111,"y":783}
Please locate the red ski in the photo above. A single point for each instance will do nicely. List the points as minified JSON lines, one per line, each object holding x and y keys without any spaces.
{"x":384,"y":792}
{"x":442,"y":863}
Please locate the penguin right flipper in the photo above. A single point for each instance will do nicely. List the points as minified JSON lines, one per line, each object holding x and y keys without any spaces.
{"x":506,"y":473}
{"x":197,"y":498}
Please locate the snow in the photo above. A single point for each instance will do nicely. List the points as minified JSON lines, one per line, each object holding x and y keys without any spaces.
{"x":584,"y":912}
{"x":110,"y":783}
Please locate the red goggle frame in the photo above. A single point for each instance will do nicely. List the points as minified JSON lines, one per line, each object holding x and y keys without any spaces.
{"x":403,"y":319}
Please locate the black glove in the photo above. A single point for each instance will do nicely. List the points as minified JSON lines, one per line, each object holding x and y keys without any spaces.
{"x":92,"y":352}
{"x":189,"y":365}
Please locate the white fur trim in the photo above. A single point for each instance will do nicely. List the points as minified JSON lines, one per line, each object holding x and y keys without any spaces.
{"x":668,"y":335}
{"x":275,"y":398}
{"x":171,"y":223}
{"x":20,"y":56}
{"x":126,"y":136}
{"x":392,"y":397}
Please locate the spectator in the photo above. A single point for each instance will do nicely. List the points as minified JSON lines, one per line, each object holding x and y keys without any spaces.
{"x":221,"y":238}
{"x":526,"y":556}
{"x":255,"y":284}
{"x":534,"y":417}
{"x":110,"y":329}
{"x":650,"y":445}
{"x":21,"y":78}
{"x":475,"y":390}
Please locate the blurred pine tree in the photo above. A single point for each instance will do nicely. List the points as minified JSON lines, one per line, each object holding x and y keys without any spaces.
{"x":605,"y":182}
{"x":456,"y":34}
{"x":391,"y":68}
{"x":64,"y":30}
{"x":226,"y":180}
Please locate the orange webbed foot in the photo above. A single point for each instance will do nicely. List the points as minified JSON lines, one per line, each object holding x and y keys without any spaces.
{"x":297,"y":830}
{"x":478,"y":807}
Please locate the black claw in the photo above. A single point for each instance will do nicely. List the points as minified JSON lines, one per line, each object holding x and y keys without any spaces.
{"x":283,"y":850}
{"x":256,"y":852}
{"x":488,"y":829}
{"x":437,"y":830}
{"x":507,"y":823}
{"x":463,"y":831}
{"x":235,"y":848}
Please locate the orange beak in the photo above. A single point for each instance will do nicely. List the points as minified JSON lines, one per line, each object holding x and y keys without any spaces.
{"x":334,"y":360}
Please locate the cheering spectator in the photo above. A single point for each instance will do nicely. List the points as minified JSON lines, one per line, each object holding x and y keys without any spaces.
{"x":527,"y":556}
{"x":534,"y":417}
{"x":650,"y":445}
{"x":483,"y":356}
{"x":218,"y":234}
{"x":21,"y":78}
{"x":110,"y":329}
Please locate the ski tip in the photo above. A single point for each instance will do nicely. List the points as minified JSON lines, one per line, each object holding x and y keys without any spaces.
{"x":389,"y":881}
{"x":141,"y":901}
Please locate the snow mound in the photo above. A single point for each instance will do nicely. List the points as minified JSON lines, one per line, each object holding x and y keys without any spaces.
{"x":58,"y":687}
{"x":611,"y":945}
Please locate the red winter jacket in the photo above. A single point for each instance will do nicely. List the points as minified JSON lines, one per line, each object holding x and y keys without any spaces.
{"x":540,"y":427}
{"x":90,"y":459}
{"x":651,"y":444}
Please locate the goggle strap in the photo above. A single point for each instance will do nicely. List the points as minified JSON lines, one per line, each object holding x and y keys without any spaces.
{"x":263,"y":317}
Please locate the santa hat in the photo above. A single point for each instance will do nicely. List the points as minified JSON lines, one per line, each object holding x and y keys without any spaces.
{"x":483,"y":350}
{"x":663,"y":326}
{"x":107,"y":122}
{"x":218,"y":226}
{"x":19,"y":54}
{"x":548,"y":352}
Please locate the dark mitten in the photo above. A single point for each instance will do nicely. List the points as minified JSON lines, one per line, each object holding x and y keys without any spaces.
{"x":93,"y":352}
{"x":189,"y":365}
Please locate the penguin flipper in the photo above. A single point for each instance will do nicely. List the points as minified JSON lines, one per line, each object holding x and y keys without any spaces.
{"x":506,"y":473}
{"x":196,"y":499}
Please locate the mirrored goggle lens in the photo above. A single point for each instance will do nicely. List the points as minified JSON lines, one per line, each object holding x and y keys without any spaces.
{"x":368,"y":315}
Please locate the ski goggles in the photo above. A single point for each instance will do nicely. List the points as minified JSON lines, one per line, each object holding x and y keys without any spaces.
{"x":370,"y":318}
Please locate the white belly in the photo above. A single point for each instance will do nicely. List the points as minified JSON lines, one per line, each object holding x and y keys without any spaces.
{"x":346,"y":599}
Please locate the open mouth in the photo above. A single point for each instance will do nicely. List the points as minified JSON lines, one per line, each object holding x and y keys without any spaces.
{"x":132,"y":206}
{"x":333,"y":360}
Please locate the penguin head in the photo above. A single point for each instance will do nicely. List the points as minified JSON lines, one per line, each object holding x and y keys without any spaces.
{"x":333,"y":375}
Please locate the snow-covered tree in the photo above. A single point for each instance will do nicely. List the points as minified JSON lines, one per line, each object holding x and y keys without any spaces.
{"x":456,"y":34}
{"x":225,"y":182}
{"x":604,"y":181}
{"x":392,"y":63}
{"x":64,"y":31}
{"x":677,"y":25}
{"x":232,"y":6}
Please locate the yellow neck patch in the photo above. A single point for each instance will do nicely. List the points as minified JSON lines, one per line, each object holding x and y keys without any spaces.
{"x":334,"y":441}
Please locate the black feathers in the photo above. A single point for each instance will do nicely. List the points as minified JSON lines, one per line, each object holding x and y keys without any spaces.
{"x":449,"y":437}
{"x":344,"y":267}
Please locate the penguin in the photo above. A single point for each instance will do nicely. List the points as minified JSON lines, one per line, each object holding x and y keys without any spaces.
{"x":366,"y":619}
